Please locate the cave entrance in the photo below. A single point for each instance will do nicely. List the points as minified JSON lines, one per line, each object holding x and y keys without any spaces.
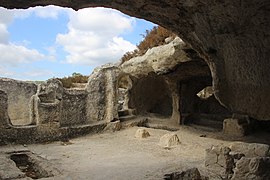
{"x":151,"y":96}
{"x":199,"y":106}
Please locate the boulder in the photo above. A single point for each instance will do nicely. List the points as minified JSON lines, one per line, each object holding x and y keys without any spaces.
{"x":219,"y":160}
{"x":189,"y":174}
{"x":235,"y":127}
{"x":142,"y":133}
{"x":169,"y":140}
{"x":159,"y":60}
{"x":256,"y":168}
{"x":113,"y":126}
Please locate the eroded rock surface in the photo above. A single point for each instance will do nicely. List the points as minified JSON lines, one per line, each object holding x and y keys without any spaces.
{"x":240,"y":161}
{"x":19,"y":94}
{"x":4,"y":119}
{"x":158,"y":60}
{"x":102,"y":102}
{"x":256,"y":168}
{"x":251,"y":149}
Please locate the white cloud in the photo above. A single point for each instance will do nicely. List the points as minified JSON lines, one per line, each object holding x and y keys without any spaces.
{"x":93,"y":36}
{"x":5,"y":72}
{"x":41,"y":12}
{"x":3,"y":34}
{"x":36,"y":73}
{"x":13,"y":55}
{"x":6,"y":18}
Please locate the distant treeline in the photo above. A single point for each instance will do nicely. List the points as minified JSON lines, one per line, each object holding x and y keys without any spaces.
{"x":68,"y":82}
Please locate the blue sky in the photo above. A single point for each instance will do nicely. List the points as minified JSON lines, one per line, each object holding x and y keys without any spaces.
{"x":44,"y":42}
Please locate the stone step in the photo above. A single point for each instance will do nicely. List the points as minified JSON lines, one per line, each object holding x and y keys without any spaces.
{"x":209,"y":123}
{"x":126,"y":112}
{"x":138,"y":121}
{"x":208,"y":120}
{"x":157,"y":125}
{"x":126,"y":118}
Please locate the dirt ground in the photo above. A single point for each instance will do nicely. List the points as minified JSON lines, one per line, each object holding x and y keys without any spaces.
{"x":120,"y":155}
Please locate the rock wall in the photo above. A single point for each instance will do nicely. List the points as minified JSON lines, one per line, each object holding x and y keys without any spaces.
{"x":102,"y":89}
{"x":19,"y":94}
{"x":232,"y":36}
{"x":4,"y":119}
{"x":54,"y":113}
{"x":74,"y":108}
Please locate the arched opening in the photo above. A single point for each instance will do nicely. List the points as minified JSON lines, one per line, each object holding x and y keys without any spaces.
{"x":151,"y":96}
{"x":124,"y":86}
{"x":199,"y":106}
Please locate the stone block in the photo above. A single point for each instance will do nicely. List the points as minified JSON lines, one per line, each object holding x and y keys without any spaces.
{"x":235,"y":127}
{"x":113,"y":126}
{"x":219,"y":160}
{"x":169,"y":140}
{"x":142,"y":133}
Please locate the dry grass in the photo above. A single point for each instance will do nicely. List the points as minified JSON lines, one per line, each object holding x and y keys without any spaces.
{"x":75,"y":78}
{"x":152,"y":38}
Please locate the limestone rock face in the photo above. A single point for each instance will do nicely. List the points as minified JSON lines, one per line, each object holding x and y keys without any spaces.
{"x":4,"y":119}
{"x":169,"y":140}
{"x":240,"y":161}
{"x":251,"y":150}
{"x":50,"y":90}
{"x":256,"y":168}
{"x":233,"y":38}
{"x":103,"y":81}
{"x":19,"y":94}
{"x":157,"y":60}
{"x":142,"y":133}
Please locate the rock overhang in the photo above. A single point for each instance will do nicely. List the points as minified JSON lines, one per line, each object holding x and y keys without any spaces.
{"x":232,"y":37}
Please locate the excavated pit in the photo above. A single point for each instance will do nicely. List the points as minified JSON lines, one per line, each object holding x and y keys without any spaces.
{"x":26,"y":166}
{"x":33,"y":166}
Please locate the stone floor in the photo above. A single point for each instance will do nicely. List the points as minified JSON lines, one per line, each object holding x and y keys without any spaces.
{"x":120,"y":155}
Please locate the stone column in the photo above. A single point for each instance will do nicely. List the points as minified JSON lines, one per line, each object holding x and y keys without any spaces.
{"x":4,"y":119}
{"x":174,"y":88}
{"x":111,"y":112}
{"x":102,"y":102}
